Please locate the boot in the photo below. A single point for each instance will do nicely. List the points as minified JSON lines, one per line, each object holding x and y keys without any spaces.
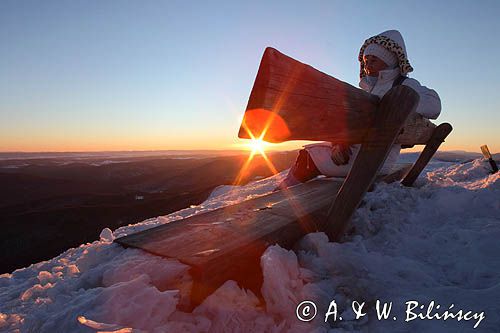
{"x":303,"y":170}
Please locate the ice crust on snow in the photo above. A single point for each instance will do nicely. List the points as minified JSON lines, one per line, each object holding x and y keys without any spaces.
{"x":436,"y":241}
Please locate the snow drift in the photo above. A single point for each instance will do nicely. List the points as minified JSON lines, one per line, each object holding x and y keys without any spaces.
{"x":435,"y":242}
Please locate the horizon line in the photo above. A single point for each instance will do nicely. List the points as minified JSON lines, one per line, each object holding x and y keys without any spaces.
{"x":169,"y":150}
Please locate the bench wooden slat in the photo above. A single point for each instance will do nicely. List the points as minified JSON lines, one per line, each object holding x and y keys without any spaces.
{"x":221,"y":228}
{"x":293,"y":101}
{"x":304,"y":98}
{"x":227,"y":243}
{"x":395,"y":108}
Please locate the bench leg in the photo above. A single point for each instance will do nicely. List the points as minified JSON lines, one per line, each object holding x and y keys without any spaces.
{"x":246,"y":271}
{"x":394,"y":109}
{"x":440,"y":133}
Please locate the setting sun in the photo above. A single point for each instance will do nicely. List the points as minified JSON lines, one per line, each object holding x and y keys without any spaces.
{"x":257,"y":146}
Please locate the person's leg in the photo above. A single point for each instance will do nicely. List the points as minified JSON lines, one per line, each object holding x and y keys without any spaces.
{"x":303,"y":170}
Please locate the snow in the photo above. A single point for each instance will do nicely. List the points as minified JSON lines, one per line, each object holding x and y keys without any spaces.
{"x":106,"y":235}
{"x":437,"y":241}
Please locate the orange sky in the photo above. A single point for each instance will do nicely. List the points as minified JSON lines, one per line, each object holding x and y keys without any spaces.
{"x":158,"y":143}
{"x":183,"y":83}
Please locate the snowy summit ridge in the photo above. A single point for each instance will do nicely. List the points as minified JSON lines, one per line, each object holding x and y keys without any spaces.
{"x":435,"y":242}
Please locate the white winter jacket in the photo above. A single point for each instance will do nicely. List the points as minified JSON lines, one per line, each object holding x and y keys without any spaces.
{"x":429,"y":106}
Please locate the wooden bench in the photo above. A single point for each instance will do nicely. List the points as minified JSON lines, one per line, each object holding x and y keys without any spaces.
{"x":292,"y":101}
{"x":227,"y":243}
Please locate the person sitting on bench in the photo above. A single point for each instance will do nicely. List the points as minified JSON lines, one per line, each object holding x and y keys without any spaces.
{"x":383,"y":65}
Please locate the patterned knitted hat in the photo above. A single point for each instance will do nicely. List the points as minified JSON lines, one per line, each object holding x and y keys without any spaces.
{"x":390,"y":58}
{"x":392,"y":41}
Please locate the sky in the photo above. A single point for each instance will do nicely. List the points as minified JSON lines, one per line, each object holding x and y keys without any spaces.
{"x":147,"y":75}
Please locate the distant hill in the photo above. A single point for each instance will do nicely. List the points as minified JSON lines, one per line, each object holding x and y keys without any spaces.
{"x":453,"y":156}
{"x":48,"y":205}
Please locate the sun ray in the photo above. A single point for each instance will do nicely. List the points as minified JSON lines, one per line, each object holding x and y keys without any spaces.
{"x":259,"y":148}
{"x":303,"y":219}
{"x":276,"y":109}
{"x":282,"y":98}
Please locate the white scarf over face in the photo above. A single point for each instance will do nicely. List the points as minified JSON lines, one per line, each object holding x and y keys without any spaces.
{"x":381,"y":84}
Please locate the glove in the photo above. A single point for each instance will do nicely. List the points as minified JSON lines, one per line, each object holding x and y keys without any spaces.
{"x":340,"y":154}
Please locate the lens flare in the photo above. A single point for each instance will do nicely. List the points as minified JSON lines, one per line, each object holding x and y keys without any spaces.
{"x":257,"y":146}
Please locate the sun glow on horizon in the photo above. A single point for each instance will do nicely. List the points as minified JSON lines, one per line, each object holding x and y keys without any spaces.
{"x":257,"y":146}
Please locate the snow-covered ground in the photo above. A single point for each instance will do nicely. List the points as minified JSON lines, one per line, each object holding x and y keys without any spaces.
{"x":438,"y":241}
